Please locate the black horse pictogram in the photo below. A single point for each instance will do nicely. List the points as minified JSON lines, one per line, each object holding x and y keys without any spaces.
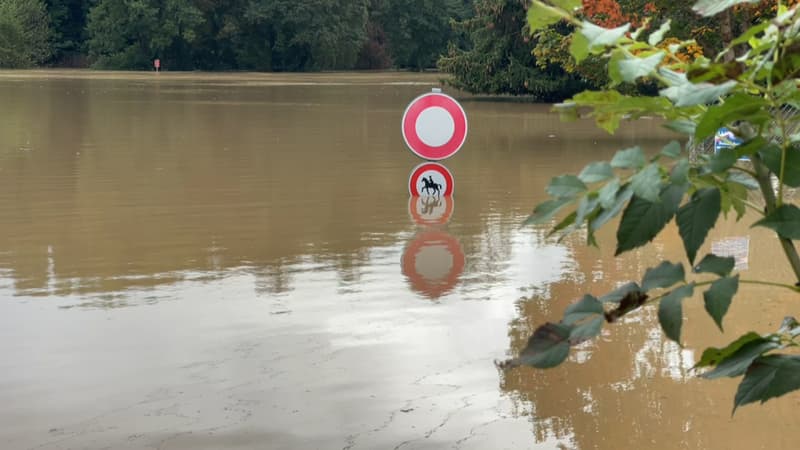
{"x":430,"y":185}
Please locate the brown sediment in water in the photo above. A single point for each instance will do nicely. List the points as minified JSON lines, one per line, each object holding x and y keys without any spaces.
{"x":194,"y":261}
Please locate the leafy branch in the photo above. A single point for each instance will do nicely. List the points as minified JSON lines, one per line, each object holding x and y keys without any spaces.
{"x":750,"y":96}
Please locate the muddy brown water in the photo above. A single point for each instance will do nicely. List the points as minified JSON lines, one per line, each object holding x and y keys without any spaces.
{"x":194,"y":261}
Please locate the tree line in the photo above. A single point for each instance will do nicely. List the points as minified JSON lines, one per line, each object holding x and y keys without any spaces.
{"x":486,"y":46}
{"x":264,"y":35}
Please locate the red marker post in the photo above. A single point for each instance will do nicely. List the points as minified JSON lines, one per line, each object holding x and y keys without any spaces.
{"x":157,"y":64}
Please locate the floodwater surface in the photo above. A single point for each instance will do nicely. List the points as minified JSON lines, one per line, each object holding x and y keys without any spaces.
{"x":194,"y":261}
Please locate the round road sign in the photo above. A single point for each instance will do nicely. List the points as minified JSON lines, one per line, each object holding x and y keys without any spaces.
{"x":430,"y":179}
{"x":434,"y":126}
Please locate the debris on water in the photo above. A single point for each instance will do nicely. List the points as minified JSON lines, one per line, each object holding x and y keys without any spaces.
{"x":406,"y":410}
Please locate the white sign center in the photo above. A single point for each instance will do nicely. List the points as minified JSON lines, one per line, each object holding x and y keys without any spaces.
{"x":435,"y":126}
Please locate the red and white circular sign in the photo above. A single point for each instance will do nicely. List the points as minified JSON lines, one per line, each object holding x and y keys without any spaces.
{"x":434,"y":126}
{"x":430,"y":179}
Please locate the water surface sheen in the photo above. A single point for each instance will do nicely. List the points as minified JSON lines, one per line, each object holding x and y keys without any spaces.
{"x":200,"y":261}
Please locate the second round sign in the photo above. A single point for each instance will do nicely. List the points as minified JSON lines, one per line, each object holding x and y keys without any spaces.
{"x":430,"y":179}
{"x":434,"y":126}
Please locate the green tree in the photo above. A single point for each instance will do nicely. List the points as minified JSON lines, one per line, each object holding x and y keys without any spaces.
{"x":758,"y":98}
{"x":129,"y":34}
{"x":24,"y":33}
{"x":214,"y":46}
{"x":287,"y":35}
{"x":68,"y":23}
{"x":418,"y":31}
{"x":499,"y":56}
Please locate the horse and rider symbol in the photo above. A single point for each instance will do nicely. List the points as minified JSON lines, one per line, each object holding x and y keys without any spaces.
{"x":430,"y":179}
{"x":431,"y":186}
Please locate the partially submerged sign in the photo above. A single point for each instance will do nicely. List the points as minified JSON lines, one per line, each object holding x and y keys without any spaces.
{"x":430,"y":179}
{"x":434,"y":126}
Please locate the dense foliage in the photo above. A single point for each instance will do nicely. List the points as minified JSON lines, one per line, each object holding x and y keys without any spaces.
{"x":756,"y":95}
{"x":499,"y":58}
{"x":502,"y":57}
{"x":24,"y":33}
{"x":272,"y":35}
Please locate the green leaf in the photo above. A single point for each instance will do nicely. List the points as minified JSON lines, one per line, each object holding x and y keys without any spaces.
{"x":565,"y":186}
{"x":784,"y":220}
{"x":630,"y":158}
{"x":658,"y":35}
{"x":713,"y":356}
{"x":540,"y":16}
{"x":768,"y":377}
{"x":647,"y":183}
{"x":737,"y":362}
{"x":696,"y":218}
{"x":643,"y":220}
{"x":602,"y":37}
{"x":750,"y":33}
{"x":670,"y":311}
{"x":682,"y":126}
{"x":772,"y":159}
{"x":738,"y":106}
{"x":734,"y":195}
{"x":586,"y":330}
{"x":718,"y":265}
{"x":663,"y":276}
{"x":709,"y":8}
{"x":614,"y":73}
{"x":751,"y":147}
{"x":718,"y":298}
{"x":621,"y":292}
{"x":586,"y":207}
{"x":579,"y":47}
{"x":548,"y":347}
{"x":722,"y":160}
{"x":596,"y":172}
{"x":578,"y":311}
{"x":565,"y":222}
{"x":610,"y":107}
{"x":546,"y":210}
{"x":742,"y":179}
{"x":680,"y":173}
{"x":634,"y":68}
{"x":608,"y":193}
{"x":689,"y":94}
{"x":567,"y":5}
{"x":622,"y":197}
{"x":672,"y":150}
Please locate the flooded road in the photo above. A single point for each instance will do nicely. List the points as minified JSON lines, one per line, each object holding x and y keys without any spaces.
{"x":194,"y":261}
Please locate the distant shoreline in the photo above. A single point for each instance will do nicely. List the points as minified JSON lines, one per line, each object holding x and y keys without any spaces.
{"x":335,"y":77}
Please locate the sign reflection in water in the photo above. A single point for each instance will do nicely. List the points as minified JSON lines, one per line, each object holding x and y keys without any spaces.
{"x":433,"y":260}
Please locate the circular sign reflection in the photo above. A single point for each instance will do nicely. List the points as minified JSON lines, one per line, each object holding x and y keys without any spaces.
{"x":433,"y":262}
{"x":431,"y":210}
